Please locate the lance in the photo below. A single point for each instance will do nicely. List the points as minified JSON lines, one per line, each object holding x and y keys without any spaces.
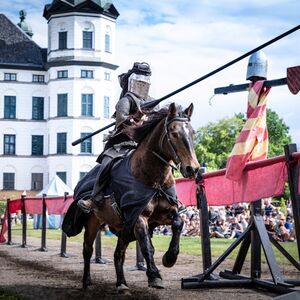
{"x":156,"y":102}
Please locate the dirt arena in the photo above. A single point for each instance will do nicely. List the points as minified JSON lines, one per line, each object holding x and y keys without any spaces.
{"x":45,"y":275}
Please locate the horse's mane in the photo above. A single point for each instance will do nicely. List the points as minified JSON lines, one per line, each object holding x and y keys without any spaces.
{"x":138,"y":133}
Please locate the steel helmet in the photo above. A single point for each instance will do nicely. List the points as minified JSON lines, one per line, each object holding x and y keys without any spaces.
{"x":257,"y":65}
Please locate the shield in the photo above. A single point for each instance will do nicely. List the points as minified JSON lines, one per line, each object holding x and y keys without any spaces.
{"x":293,"y":79}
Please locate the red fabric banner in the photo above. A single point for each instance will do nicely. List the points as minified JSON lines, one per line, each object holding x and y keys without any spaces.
{"x":255,"y":183}
{"x":14,"y":206}
{"x":33,"y":205}
{"x":4,"y":228}
{"x":58,"y":206}
{"x":55,"y":206}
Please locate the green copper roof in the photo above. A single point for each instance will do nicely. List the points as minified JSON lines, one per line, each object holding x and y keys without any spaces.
{"x":23,"y":24}
{"x":105,"y":7}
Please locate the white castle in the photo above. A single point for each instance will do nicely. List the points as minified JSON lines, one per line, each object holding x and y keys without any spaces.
{"x":51,"y":97}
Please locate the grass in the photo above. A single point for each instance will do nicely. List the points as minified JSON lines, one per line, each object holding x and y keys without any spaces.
{"x":188,"y":245}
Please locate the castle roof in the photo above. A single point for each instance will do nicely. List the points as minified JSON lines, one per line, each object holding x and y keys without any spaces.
{"x":17,"y":49}
{"x":104,"y":7}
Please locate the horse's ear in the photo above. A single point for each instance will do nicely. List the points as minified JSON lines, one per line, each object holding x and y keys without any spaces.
{"x":172,"y":109}
{"x":189,"y":111}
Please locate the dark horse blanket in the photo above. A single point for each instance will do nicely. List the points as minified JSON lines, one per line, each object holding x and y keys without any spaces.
{"x":131,"y":195}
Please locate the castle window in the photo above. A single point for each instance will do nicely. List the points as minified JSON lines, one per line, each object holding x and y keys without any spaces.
{"x":62,"y":143}
{"x":62,"y":74}
{"x":37,"y":181}
{"x":87,"y":42}
{"x":62,"y":40}
{"x":107,"y":42}
{"x":10,"y":76}
{"x":37,"y":145}
{"x":87,"y":74}
{"x":37,"y":108}
{"x":106,"y":107}
{"x":9,"y":107}
{"x":106,"y":75}
{"x":62,"y":105}
{"x":86,"y":145}
{"x":38,"y":78}
{"x":9,"y":144}
{"x":8,"y":181}
{"x":87,"y":104}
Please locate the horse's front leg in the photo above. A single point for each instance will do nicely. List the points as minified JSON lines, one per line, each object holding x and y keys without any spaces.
{"x":119,"y":257}
{"x":170,"y":257}
{"x":141,"y":232}
{"x":90,"y":233}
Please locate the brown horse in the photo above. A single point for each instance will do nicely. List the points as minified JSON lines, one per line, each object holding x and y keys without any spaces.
{"x":166,"y":138}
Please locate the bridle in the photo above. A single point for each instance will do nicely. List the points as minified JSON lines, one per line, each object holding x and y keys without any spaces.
{"x":166,"y":135}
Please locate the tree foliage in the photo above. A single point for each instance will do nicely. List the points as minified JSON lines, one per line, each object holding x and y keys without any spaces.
{"x":215,"y":141}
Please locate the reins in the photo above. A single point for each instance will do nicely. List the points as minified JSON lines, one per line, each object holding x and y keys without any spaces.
{"x":175,"y":158}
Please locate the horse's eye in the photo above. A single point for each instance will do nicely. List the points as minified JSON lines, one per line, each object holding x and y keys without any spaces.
{"x":175,"y":135}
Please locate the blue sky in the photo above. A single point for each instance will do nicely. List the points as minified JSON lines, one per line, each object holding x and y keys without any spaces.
{"x":184,"y":40}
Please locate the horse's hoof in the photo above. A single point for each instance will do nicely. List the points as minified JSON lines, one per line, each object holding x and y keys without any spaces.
{"x":167,"y":262}
{"x":156,"y":283}
{"x":123,"y":289}
{"x":86,"y":283}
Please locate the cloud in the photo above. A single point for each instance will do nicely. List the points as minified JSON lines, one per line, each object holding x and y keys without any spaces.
{"x":184,"y":40}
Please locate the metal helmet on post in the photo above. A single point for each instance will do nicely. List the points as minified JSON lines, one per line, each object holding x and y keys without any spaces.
{"x":139,"y":79}
{"x":257,"y":66}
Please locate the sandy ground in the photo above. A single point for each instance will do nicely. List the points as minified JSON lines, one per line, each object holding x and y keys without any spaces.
{"x":45,"y":275}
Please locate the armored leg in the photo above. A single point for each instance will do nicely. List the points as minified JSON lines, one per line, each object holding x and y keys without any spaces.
{"x":98,"y":190}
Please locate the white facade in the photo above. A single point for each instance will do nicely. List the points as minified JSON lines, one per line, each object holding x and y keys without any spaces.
{"x":100,"y":62}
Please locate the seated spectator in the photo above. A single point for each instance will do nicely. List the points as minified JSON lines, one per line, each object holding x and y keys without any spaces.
{"x":234,"y":230}
{"x":229,"y":211}
{"x":193,"y":229}
{"x":289,"y":223}
{"x":219,"y":229}
{"x":212,"y":215}
{"x":243,"y":221}
{"x":239,"y":209}
{"x":268,"y":207}
{"x":283,"y":232}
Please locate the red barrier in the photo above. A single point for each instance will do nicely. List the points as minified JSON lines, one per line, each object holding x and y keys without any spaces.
{"x":260,"y":179}
{"x":55,"y":205}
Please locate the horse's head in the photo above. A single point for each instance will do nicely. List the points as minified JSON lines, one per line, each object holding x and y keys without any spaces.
{"x":179,"y":140}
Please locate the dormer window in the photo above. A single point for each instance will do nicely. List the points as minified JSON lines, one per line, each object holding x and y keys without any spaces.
{"x":87,"y":42}
{"x":62,"y":40}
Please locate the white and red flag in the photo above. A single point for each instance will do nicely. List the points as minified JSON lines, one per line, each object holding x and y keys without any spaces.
{"x":252,"y":143}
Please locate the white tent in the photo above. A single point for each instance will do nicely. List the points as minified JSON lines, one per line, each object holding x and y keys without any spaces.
{"x":56,"y":187}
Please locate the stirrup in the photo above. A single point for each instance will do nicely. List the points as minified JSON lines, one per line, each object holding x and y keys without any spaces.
{"x":83,"y":207}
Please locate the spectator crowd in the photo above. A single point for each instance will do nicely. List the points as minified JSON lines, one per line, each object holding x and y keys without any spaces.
{"x":230,"y":221}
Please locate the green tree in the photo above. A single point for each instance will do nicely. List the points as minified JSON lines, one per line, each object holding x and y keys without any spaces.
{"x":215,"y":141}
{"x":278,"y":134}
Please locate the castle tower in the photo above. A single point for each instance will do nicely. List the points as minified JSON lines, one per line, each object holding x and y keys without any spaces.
{"x":50,"y":97}
{"x":81,"y":69}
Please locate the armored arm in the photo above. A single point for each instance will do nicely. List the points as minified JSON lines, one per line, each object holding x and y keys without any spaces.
{"x":123,"y":110}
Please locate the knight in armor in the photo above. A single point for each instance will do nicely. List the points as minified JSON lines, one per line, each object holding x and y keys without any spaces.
{"x":135,"y":86}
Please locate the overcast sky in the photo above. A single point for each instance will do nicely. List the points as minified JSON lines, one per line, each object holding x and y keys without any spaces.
{"x":184,"y":40}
